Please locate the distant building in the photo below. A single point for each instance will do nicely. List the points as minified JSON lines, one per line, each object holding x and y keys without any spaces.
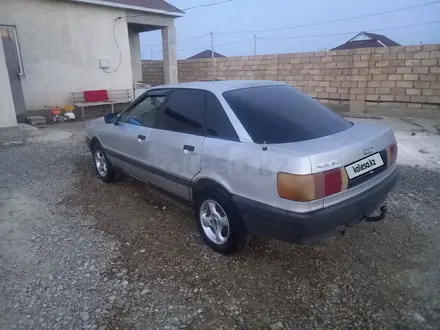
{"x":205,"y":54}
{"x":367,"y":40}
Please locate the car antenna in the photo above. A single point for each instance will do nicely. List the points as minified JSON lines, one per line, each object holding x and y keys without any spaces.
{"x":264,"y":146}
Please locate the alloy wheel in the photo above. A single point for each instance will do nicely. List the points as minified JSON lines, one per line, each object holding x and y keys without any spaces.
{"x":100,"y":163}
{"x":214,"y":222}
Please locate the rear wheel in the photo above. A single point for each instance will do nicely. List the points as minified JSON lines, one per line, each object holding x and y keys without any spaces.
{"x":219,"y":222}
{"x":103,"y":167}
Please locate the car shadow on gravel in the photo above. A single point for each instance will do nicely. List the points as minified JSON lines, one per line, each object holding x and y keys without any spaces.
{"x":354,"y":281}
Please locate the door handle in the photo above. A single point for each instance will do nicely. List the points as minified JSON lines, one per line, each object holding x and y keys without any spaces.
{"x":142,"y":137}
{"x":188,"y":148}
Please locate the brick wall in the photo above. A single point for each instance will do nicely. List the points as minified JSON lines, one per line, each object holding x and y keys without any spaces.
{"x":395,"y":76}
{"x":152,"y":72}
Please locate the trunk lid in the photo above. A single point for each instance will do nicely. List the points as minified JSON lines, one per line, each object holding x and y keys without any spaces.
{"x":354,"y":150}
{"x":344,"y":148}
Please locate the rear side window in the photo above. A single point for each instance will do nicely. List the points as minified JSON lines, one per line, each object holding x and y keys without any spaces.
{"x":281,"y":114}
{"x":217,"y":122}
{"x":184,"y":112}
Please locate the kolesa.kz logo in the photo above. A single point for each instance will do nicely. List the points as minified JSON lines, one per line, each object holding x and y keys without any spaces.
{"x":364,"y":166}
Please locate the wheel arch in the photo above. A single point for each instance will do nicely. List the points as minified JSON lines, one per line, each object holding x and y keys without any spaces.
{"x":207,"y":184}
{"x":94,"y":142}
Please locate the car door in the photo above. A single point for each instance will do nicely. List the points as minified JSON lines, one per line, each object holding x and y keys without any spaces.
{"x":175,"y":144}
{"x":126,"y":141}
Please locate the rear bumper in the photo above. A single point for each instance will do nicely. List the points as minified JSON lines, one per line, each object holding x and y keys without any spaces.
{"x":313,"y":227}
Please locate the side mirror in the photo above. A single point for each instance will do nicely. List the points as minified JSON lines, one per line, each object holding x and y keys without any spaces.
{"x":111,"y":118}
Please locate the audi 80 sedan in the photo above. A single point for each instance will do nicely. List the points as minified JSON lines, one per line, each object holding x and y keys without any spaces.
{"x":255,"y":157}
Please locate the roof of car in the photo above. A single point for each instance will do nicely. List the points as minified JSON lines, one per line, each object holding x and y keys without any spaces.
{"x":222,"y":85}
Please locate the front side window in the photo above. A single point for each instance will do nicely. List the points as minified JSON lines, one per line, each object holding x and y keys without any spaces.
{"x":281,"y":114}
{"x":184,"y":112}
{"x":143,"y":113}
{"x":10,"y":32}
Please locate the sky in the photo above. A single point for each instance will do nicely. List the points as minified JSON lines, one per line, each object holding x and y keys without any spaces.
{"x":253,"y":15}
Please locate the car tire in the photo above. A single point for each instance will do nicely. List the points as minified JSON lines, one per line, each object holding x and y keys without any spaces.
{"x":222,"y":230}
{"x":102,"y":165}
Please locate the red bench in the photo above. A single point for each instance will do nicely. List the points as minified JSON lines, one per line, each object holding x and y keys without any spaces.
{"x":100,"y":95}
{"x":92,"y":98}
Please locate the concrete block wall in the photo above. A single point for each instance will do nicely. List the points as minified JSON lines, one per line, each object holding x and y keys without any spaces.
{"x":394,"y":76}
{"x":152,"y":72}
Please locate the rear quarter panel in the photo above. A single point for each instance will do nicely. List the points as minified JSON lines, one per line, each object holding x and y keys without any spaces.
{"x":245,"y":170}
{"x":345,"y":148}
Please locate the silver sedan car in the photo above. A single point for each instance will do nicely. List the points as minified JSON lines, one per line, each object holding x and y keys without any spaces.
{"x":255,"y":157}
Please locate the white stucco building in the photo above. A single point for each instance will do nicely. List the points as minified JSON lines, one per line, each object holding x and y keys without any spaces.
{"x":63,"y":44}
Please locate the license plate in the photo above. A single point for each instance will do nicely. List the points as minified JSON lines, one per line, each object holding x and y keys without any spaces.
{"x":364,"y":166}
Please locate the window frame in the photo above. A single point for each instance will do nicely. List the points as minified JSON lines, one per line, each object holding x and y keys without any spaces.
{"x":156,"y":92}
{"x":170,"y":95}
{"x":17,"y":46}
{"x":237,"y":139}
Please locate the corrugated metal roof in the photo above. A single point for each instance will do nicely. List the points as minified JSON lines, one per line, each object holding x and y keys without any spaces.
{"x":359,"y":44}
{"x":383,"y":39}
{"x":377,"y":40}
{"x":205,"y":54}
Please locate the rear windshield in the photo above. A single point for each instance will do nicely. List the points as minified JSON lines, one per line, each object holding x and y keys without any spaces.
{"x":281,"y":114}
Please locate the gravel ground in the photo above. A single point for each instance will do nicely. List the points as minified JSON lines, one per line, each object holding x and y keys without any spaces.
{"x":78,"y":253}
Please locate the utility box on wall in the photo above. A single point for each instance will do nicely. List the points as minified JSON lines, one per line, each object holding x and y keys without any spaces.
{"x":104,"y":64}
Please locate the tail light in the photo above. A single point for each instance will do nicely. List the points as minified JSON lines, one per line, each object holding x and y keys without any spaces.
{"x":306,"y":188}
{"x":392,"y":154}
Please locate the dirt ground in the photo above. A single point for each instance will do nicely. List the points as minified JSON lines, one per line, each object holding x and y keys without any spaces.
{"x":377,"y":275}
{"x":151,"y":269}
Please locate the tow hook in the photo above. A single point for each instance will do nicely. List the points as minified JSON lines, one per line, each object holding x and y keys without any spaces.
{"x":383,"y":212}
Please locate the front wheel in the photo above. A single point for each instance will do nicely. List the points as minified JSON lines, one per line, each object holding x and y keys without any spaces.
{"x":219,"y":223}
{"x":103,"y":167}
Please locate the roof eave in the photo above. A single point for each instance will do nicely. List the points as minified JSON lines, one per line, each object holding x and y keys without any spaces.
{"x":383,"y":45}
{"x":132,"y":7}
